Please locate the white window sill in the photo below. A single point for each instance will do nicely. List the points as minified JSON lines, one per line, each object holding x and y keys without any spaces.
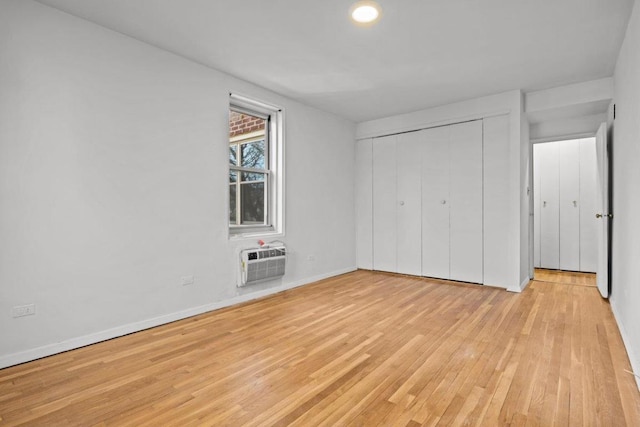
{"x":255,"y":235}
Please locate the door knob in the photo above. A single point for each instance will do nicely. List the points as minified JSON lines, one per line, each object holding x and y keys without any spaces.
{"x":575,"y":204}
{"x":444,"y":202}
{"x":598,"y":215}
{"x":402,"y":203}
{"x":544,"y":204}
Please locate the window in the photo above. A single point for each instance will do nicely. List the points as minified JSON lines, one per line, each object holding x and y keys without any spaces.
{"x":255,"y":167}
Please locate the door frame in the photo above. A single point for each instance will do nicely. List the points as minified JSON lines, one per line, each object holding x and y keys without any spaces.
{"x":532,"y":188}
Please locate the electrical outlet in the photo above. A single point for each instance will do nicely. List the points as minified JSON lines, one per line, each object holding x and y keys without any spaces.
{"x":187,"y":280}
{"x":24,"y":310}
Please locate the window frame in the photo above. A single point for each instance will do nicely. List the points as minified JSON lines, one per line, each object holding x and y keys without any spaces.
{"x":273,"y":171}
{"x":244,"y":169}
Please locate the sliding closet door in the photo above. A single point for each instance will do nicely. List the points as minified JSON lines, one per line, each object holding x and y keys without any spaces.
{"x":537,"y":203}
{"x":466,"y":202}
{"x":588,"y":210}
{"x":549,"y":206}
{"x":427,"y":203}
{"x":569,"y":178}
{"x":408,"y":203}
{"x":435,"y":202}
{"x":384,"y":204}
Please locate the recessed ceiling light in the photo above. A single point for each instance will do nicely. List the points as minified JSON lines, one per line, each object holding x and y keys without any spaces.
{"x":365,"y":12}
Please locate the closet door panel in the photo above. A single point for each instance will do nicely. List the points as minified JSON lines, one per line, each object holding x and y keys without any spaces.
{"x":466,"y":242}
{"x":536,"y":206}
{"x":409,"y":203}
{"x":364,"y":204}
{"x":384,"y":204}
{"x":549,"y":207}
{"x":435,"y":202}
{"x":569,"y":204}
{"x":588,"y":211}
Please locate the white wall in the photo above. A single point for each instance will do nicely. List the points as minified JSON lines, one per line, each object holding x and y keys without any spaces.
{"x":511,"y":104}
{"x":364,"y":203}
{"x":472,"y":109}
{"x":526,"y":197}
{"x":113,"y":185}
{"x":568,"y":112}
{"x":568,"y":128}
{"x":549,"y":102}
{"x":495,"y":200}
{"x":625,"y":293}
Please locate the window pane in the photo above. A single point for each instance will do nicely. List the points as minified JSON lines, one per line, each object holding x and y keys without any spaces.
{"x":232,"y":204}
{"x":252,"y":200}
{"x":233,"y":176}
{"x":249,"y":176}
{"x":253,"y":155}
{"x":233,"y":155}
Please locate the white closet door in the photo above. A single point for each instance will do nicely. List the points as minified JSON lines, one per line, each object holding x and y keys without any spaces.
{"x":435,"y":202}
{"x":364,"y":202}
{"x":588,"y":210}
{"x":465,"y":232}
{"x":549,"y":206}
{"x":603,"y":163}
{"x":409,"y":203}
{"x":384,"y":204}
{"x":536,"y":205}
{"x":569,"y":198}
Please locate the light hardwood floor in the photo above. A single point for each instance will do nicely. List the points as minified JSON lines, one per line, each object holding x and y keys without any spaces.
{"x":360,"y":349}
{"x":568,"y":277}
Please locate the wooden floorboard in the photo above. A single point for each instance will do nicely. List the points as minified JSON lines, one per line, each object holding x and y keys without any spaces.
{"x":567,"y":277}
{"x":363,"y":349}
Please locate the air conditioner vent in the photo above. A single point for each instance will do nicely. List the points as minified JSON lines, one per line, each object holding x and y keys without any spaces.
{"x":259,"y":265}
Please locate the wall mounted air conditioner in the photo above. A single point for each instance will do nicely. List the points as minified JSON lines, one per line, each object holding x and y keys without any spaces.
{"x":258,"y":265}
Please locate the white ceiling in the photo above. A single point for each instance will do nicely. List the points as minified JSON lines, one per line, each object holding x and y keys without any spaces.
{"x":421,"y":54}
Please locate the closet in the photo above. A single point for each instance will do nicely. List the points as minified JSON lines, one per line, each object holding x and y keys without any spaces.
{"x":427,"y":202}
{"x":564,"y":202}
{"x":435,"y":202}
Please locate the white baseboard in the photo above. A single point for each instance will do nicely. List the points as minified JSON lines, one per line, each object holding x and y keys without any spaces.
{"x":633,"y":359}
{"x":59,"y":347}
{"x":518,"y":289}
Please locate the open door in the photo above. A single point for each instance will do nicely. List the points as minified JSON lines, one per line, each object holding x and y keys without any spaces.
{"x":603,"y":215}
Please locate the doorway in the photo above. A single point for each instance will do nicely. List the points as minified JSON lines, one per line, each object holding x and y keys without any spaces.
{"x":565,"y":206}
